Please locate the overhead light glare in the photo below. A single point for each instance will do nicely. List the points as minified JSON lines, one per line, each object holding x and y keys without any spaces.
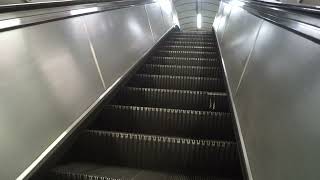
{"x":10,"y":23}
{"x":83,"y":11}
{"x":199,"y":21}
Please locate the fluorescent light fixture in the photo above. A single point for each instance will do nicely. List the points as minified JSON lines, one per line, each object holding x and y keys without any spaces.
{"x":83,"y":11}
{"x":199,"y":21}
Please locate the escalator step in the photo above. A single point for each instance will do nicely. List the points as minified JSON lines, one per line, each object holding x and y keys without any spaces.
{"x":187,"y":48}
{"x":190,"y":35}
{"x":194,"y":54}
{"x":189,"y":43}
{"x":170,"y":122}
{"x":89,"y":171}
{"x":177,"y":82}
{"x":175,"y":70}
{"x":176,"y":99}
{"x":196,"y":33}
{"x":201,"y":39}
{"x":162,"y":60}
{"x":157,"y":152}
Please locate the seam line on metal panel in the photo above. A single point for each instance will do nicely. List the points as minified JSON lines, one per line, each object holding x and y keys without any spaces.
{"x":93,"y":52}
{"x":242,"y":144}
{"x":145,"y":7}
{"x":77,"y":122}
{"x":249,"y":57}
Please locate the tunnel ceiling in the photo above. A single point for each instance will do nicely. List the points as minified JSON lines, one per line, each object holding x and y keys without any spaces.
{"x":187,"y":12}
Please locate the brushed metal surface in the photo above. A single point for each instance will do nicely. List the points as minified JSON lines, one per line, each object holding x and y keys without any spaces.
{"x":47,"y":79}
{"x":223,"y":19}
{"x":238,"y":40}
{"x":278,"y":106}
{"x":217,"y":18}
{"x":156,"y":20}
{"x":119,"y":38}
{"x":167,"y":9}
{"x":25,"y":17}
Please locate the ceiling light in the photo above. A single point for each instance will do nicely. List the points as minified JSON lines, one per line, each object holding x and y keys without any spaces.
{"x":199,"y":21}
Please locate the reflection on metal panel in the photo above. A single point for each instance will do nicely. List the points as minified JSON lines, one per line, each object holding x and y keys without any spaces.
{"x":223,"y":20}
{"x":119,"y":38}
{"x":241,"y":29}
{"x":278,"y":106}
{"x":156,"y":20}
{"x":48,"y":78}
{"x":167,"y":8}
{"x":277,"y":100}
{"x":217,"y":18}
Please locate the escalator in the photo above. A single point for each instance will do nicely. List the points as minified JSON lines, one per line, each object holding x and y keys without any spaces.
{"x":172,"y":120}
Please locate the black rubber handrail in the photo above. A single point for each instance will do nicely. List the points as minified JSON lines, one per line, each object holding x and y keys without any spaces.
{"x":303,"y":20}
{"x":288,"y":6}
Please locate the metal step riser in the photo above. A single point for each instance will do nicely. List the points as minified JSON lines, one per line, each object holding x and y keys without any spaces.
{"x":176,"y":99}
{"x":188,"y":48}
{"x":58,"y":175}
{"x":156,"y":152}
{"x":177,"y":82}
{"x":184,"y":61}
{"x":189,"y":43}
{"x":187,"y":54}
{"x":72,"y":176}
{"x":191,"y":39}
{"x":203,"y":36}
{"x":194,"y":33}
{"x":169,"y":122}
{"x":181,"y":71}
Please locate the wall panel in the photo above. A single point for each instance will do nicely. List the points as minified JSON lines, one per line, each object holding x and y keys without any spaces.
{"x":156,"y":20}
{"x":241,"y":29}
{"x":49,"y":77}
{"x":222,"y":19}
{"x":47,"y":80}
{"x":120,"y":38}
{"x":277,"y":102}
{"x":278,"y":106}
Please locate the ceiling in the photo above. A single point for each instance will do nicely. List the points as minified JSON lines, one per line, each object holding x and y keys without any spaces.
{"x":187,"y":13}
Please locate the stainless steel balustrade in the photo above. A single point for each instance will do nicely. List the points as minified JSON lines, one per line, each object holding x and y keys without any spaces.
{"x":272,"y":66}
{"x":54,"y":73}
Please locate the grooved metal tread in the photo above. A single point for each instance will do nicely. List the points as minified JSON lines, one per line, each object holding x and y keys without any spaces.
{"x":175,"y":99}
{"x":189,"y":43}
{"x":90,"y":171}
{"x":176,"y":70}
{"x":187,"y":48}
{"x":205,"y":39}
{"x":162,"y":121}
{"x":184,"y":61}
{"x":171,"y":121}
{"x":157,"y":152}
{"x":193,"y":33}
{"x":177,"y":82}
{"x":195,"y":54}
